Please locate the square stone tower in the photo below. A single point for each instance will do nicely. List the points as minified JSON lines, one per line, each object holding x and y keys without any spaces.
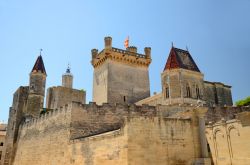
{"x":182,"y":81}
{"x":120,"y":76}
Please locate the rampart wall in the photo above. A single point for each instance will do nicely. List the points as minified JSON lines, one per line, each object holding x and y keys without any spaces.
{"x":44,"y":140}
{"x":109,"y":134}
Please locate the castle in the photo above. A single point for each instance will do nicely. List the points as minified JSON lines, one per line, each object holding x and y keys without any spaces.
{"x":124,"y":124}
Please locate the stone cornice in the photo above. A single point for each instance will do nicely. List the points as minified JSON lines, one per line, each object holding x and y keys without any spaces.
{"x":122,"y":56}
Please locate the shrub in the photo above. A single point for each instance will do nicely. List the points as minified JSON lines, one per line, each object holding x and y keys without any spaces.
{"x":243,"y":102}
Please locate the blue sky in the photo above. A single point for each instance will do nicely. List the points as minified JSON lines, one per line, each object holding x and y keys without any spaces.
{"x":216,"y":33}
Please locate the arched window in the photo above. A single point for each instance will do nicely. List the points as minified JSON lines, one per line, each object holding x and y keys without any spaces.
{"x":197,"y":92}
{"x":167,"y":92}
{"x":188,"y":91}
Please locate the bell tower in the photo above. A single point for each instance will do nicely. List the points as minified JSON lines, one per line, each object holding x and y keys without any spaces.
{"x":36,"y":89}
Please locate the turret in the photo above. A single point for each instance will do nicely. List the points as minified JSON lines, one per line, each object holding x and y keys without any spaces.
{"x":67,"y":79}
{"x":132,"y":49}
{"x":147,"y":51}
{"x":36,"y":88}
{"x":108,"y":42}
{"x":38,"y":78}
{"x":94,"y":53}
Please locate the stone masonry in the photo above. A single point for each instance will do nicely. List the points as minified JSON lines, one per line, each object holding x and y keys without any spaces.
{"x":125,"y":125}
{"x":111,"y":134}
{"x":120,"y":75}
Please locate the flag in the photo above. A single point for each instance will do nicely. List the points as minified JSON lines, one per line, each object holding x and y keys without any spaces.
{"x":126,"y":42}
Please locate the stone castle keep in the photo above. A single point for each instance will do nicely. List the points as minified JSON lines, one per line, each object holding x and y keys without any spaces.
{"x":191,"y":121}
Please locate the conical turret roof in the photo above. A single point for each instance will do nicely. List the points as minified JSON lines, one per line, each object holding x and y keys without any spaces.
{"x":39,"y":66}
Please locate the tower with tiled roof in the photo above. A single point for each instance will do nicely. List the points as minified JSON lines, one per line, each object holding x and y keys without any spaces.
{"x":36,"y":88}
{"x":182,"y":81}
{"x":120,"y":76}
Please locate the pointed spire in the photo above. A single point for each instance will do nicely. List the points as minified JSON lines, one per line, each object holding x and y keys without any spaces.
{"x":179,"y":58}
{"x":39,"y":66}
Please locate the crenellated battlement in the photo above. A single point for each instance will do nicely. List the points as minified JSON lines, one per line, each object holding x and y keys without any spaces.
{"x":214,"y":113}
{"x":43,"y":118}
{"x":87,"y":120}
{"x":116,"y":108}
{"x":128,"y":56}
{"x":119,"y":55}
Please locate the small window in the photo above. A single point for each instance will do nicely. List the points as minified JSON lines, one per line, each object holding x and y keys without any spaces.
{"x":1,"y":144}
{"x":167,"y":92}
{"x":208,"y":148}
{"x":197,"y":92}
{"x":124,"y":99}
{"x":188,"y":91}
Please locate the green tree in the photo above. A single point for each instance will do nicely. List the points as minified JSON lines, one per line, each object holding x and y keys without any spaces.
{"x":243,"y":102}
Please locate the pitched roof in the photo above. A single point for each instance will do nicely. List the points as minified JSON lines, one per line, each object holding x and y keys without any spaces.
{"x":179,"y":58}
{"x":39,"y":66}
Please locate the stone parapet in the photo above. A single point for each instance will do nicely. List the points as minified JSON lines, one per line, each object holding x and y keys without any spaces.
{"x":119,"y":55}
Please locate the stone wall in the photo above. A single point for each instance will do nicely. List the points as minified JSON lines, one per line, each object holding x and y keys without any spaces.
{"x":215,"y":114}
{"x":159,"y":99}
{"x":127,"y":84}
{"x":59,"y":96}
{"x":229,"y":140}
{"x":116,"y":82}
{"x":110,"y":134}
{"x":179,"y":80}
{"x":2,"y":140}
{"x":100,"y":84}
{"x":15,"y":119}
{"x":217,"y":94}
{"x":45,"y":140}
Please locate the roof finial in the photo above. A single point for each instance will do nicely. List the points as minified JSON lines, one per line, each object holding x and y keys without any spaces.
{"x":41,"y":51}
{"x":68,"y":69}
{"x":172,"y":44}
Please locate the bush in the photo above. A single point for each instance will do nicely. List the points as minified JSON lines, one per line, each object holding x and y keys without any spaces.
{"x":243,"y":102}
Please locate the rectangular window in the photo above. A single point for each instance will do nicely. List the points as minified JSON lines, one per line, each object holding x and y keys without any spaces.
{"x":1,"y":144}
{"x":167,"y":92}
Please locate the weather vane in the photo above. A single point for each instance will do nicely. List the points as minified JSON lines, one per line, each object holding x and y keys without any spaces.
{"x":41,"y":51}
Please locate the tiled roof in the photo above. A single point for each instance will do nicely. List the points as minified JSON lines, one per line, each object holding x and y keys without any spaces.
{"x":179,"y":58}
{"x":39,"y":66}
